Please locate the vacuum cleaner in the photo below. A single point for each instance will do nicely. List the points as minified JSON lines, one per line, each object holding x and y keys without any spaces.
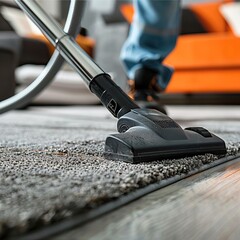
{"x":144,"y":134}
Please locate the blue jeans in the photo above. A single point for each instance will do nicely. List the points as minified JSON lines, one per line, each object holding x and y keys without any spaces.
{"x":153,"y":35}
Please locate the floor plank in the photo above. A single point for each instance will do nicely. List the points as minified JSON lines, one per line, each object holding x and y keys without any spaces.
{"x":204,"y":206}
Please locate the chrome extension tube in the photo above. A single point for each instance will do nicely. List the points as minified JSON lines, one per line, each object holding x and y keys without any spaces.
{"x":68,"y":48}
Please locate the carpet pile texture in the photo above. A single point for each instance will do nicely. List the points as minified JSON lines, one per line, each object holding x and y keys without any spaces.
{"x":49,"y":172}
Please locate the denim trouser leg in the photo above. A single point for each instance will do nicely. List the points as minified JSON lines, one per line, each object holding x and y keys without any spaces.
{"x":152,"y":37}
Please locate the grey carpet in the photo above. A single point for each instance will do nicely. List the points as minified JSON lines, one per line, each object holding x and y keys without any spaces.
{"x":51,"y":168}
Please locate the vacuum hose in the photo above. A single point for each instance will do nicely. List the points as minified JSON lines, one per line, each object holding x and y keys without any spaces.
{"x":72,"y":27}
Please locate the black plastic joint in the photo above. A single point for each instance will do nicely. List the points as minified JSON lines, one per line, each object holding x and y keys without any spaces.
{"x":111,"y":95}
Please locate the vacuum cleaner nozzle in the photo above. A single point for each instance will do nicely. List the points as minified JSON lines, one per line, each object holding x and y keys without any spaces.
{"x":147,"y":135}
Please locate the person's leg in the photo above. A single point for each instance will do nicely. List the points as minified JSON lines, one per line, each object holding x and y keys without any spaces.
{"x":152,"y":37}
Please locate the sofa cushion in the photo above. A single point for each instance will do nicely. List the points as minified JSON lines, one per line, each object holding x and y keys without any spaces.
{"x":231,"y":13}
{"x":210,"y":16}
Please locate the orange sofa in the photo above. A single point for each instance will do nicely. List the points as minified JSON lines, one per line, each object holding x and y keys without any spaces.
{"x":207,"y":62}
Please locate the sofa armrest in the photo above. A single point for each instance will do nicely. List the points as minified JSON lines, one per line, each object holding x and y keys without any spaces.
{"x":10,"y":45}
{"x":34,"y":51}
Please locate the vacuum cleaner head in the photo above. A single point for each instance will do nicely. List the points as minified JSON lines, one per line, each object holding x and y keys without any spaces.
{"x":147,"y":135}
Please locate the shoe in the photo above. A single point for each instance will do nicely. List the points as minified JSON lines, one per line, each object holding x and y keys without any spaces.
{"x":143,"y":90}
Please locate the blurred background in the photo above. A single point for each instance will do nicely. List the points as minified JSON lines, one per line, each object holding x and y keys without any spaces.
{"x":206,"y":58}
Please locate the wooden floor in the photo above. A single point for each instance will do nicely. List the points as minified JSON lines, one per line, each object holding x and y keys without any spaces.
{"x":204,"y":206}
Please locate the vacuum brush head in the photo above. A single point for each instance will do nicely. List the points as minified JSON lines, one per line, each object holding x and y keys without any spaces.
{"x":147,"y":135}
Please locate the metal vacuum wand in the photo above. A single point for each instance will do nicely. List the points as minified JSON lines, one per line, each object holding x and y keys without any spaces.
{"x":62,"y":41}
{"x":99,"y":82}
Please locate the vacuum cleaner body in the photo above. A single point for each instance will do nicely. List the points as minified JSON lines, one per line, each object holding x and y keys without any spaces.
{"x":144,"y":135}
